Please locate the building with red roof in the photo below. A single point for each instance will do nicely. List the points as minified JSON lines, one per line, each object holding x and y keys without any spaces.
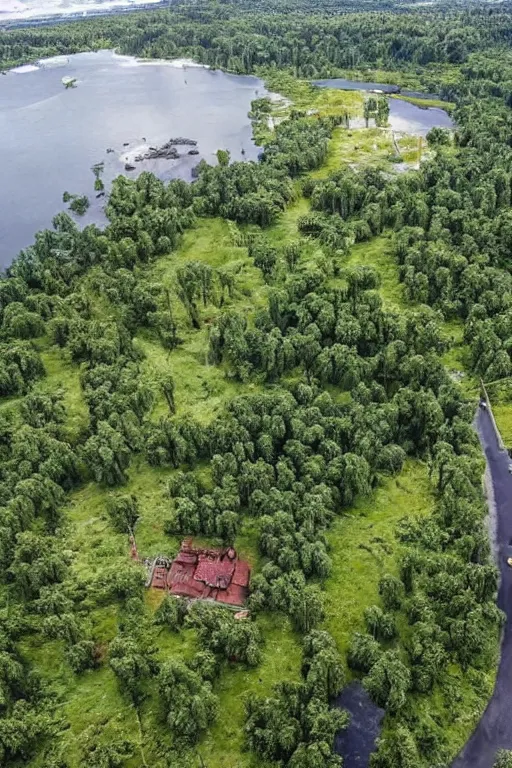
{"x":204,"y":574}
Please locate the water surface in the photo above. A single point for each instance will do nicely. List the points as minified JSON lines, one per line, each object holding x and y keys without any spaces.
{"x":356,"y":743}
{"x":52,"y":136}
{"x":34,"y":10}
{"x":403,"y":116}
{"x":409,"y":118}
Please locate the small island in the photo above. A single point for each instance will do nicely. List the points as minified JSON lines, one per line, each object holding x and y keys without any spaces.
{"x":77,"y":203}
{"x":69,"y":82}
{"x":167,"y":151}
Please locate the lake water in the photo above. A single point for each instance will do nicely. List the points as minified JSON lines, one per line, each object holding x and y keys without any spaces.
{"x":408,"y":118}
{"x":25,"y":10}
{"x":403,"y":116}
{"x":52,"y":136}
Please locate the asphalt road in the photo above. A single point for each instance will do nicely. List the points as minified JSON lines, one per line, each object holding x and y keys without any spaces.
{"x":494,"y":731}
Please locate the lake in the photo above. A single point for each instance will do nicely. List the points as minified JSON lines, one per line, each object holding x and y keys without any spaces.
{"x":403,"y":116}
{"x":31,"y":10}
{"x":409,"y":118}
{"x":52,"y":135}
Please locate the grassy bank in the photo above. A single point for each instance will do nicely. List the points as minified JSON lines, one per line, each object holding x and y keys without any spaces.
{"x":500,"y":394}
{"x":448,"y":106}
{"x":364,"y":547}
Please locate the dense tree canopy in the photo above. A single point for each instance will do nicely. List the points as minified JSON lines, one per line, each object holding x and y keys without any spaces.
{"x":331,"y":390}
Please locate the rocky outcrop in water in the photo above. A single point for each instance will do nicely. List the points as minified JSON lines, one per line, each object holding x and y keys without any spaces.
{"x":183,"y":142}
{"x":167,"y":151}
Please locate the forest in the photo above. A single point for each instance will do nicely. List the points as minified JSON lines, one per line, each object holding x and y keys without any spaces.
{"x":263,"y":358}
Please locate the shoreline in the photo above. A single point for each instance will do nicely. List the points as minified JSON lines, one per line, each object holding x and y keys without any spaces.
{"x":60,"y":17}
{"x":124,"y":60}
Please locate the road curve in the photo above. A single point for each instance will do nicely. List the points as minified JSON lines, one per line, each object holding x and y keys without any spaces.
{"x":494,"y":731}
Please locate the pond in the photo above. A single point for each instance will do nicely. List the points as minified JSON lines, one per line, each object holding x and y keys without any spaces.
{"x":356,"y":743}
{"x":403,"y":116}
{"x":409,"y":118}
{"x":53,"y":135}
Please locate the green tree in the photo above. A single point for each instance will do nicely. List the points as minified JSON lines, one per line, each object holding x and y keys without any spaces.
{"x":223,"y":157}
{"x":131,"y":664}
{"x":306,"y":608}
{"x":190,"y":705}
{"x":123,"y":511}
{"x":503,"y":759}
{"x":112,"y":755}
{"x":388,"y":682}
{"x":107,"y":455}
{"x":397,"y":749}
{"x":391,"y":592}
{"x":168,"y":388}
{"x":364,"y":652}
{"x":381,"y":625}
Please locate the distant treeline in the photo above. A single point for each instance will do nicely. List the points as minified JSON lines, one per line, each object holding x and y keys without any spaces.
{"x":234,"y":37}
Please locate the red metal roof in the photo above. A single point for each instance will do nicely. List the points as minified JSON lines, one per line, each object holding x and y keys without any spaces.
{"x":159,"y":578}
{"x":187,"y":558}
{"x":214,"y":574}
{"x":187,"y":589}
{"x":241,"y":574}
{"x":179,"y":573}
{"x":234,"y":595}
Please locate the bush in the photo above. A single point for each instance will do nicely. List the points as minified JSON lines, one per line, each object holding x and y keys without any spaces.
{"x":81,"y":656}
{"x":363,"y":653}
{"x":79,"y":205}
{"x":171,"y":613}
{"x":391,"y":591}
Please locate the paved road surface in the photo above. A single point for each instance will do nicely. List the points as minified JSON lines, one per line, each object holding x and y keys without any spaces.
{"x":494,"y":731}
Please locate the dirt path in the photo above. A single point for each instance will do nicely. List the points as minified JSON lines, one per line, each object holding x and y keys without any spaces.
{"x":494,"y":731}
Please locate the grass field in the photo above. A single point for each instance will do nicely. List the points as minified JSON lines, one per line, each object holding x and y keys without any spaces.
{"x":377,"y":254}
{"x":93,"y":700}
{"x":363,"y":548}
{"x":503,"y":415}
{"x":325,"y":101}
